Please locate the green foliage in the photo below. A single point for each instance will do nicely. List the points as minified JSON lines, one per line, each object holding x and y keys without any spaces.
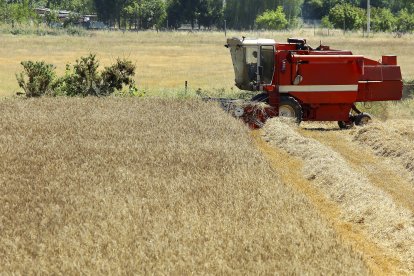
{"x":72,"y":20}
{"x":204,"y":12}
{"x":36,"y":79}
{"x":239,"y":14}
{"x":405,"y":21}
{"x":272,"y":20}
{"x":84,"y":78}
{"x":41,"y":30}
{"x":116,"y":76}
{"x":52,"y":17}
{"x":145,"y":14}
{"x":21,"y":12}
{"x":325,"y":23}
{"x":382,"y":20}
{"x":348,"y":16}
{"x":242,"y":14}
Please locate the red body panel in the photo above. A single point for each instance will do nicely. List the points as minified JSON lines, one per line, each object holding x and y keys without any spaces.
{"x":327,"y":83}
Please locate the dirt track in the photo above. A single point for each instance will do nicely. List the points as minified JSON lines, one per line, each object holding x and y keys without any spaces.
{"x":361,"y":180}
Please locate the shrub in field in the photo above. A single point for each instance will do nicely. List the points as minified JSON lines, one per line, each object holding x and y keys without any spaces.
{"x":37,"y":78}
{"x":84,"y":79}
{"x":118,"y":75}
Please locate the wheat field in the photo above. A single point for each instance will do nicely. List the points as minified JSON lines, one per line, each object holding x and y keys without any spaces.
{"x":167,"y":184}
{"x":123,"y":185}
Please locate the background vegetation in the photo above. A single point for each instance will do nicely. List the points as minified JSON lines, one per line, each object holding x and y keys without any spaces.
{"x":236,"y":14}
{"x":165,"y":60}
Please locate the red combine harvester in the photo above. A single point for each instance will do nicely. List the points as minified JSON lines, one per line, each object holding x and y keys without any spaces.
{"x":295,"y":80}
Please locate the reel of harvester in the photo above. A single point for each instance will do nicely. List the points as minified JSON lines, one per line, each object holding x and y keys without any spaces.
{"x":254,"y":114}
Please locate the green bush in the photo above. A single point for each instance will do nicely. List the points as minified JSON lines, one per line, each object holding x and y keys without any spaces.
{"x":84,"y":79}
{"x":118,"y":75}
{"x":37,"y":78}
{"x":81,"y":79}
{"x":272,"y":20}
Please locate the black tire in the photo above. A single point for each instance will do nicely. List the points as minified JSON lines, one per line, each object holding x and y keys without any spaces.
{"x":362,"y":119}
{"x":262,"y":97}
{"x":345,"y":125}
{"x":291,"y":108}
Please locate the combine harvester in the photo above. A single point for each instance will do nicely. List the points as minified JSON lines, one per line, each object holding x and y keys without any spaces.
{"x":295,"y":80}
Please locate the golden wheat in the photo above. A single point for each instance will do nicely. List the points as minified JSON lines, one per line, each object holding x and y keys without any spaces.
{"x":121,"y":186}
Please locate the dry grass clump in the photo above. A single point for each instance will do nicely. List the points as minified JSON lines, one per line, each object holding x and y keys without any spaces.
{"x":393,"y":140}
{"x":122,"y":186}
{"x":361,"y":202}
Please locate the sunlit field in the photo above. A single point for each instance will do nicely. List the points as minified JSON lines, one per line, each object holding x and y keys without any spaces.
{"x":150,"y":186}
{"x":165,"y":60}
{"x":170,"y":184}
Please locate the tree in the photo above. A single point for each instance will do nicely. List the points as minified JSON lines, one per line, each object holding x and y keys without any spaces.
{"x":110,"y":11}
{"x":347,"y":16}
{"x":272,"y":20}
{"x":382,"y":20}
{"x":325,"y":23}
{"x":145,"y":14}
{"x":210,"y":13}
{"x":202,"y":12}
{"x":241,"y":14}
{"x":405,"y":21}
{"x":174,"y":16}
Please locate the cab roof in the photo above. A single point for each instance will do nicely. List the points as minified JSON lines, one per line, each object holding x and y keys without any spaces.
{"x":250,"y":41}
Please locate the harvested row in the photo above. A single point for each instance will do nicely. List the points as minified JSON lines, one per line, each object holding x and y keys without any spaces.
{"x":390,"y":140}
{"x":130,"y":186}
{"x":364,"y":205}
{"x":380,"y":171}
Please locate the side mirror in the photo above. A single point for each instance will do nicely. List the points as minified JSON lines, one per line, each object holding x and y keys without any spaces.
{"x":260,"y":70}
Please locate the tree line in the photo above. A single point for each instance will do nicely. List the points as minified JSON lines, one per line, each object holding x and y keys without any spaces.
{"x":235,"y":14}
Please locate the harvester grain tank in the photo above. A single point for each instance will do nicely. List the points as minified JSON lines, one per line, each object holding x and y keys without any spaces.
{"x":321,"y":84}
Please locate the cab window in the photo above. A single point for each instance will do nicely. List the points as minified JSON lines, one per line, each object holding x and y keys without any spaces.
{"x":251,"y":62}
{"x":267,"y":61}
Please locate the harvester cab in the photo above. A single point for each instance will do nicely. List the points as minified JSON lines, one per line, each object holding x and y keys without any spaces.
{"x":253,"y":62}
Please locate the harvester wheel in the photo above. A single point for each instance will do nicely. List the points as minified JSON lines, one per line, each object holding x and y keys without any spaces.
{"x":362,"y":119}
{"x":289,"y":107}
{"x":262,"y":97}
{"x":345,"y":125}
